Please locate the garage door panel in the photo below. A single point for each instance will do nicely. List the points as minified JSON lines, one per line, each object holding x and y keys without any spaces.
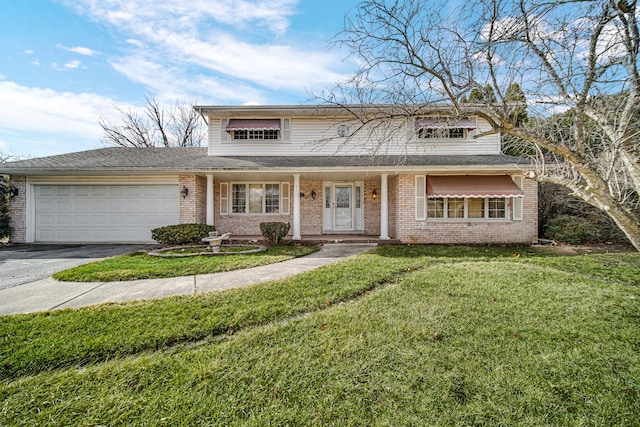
{"x":103,"y":213}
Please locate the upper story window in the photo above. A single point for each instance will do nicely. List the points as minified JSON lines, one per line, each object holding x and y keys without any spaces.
{"x":443,"y":128}
{"x":254,"y":129}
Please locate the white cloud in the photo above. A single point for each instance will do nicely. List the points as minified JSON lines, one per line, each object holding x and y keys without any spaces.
{"x":272,"y":14}
{"x":171,"y":84}
{"x":28,"y":52}
{"x":72,"y":64}
{"x":206,"y":58}
{"x":60,"y":114}
{"x":135,"y":42}
{"x":79,"y":50}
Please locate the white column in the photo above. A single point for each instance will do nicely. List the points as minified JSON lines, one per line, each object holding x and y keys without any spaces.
{"x":296,"y":207}
{"x":210,"y":199}
{"x":384,"y":208}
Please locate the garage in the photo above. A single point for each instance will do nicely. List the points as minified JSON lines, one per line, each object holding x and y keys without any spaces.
{"x":103,"y":213}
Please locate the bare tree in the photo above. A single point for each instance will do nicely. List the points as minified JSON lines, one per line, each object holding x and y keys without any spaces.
{"x":574,"y":57}
{"x":180,"y":126}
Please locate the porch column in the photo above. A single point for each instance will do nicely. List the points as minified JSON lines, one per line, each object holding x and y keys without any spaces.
{"x":384,"y":208}
{"x":296,"y":207}
{"x":209,"y":199}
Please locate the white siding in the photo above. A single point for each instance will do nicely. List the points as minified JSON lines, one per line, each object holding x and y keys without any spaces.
{"x":319,"y":137}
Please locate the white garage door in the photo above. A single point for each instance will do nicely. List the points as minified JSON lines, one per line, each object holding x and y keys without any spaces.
{"x":103,"y":213}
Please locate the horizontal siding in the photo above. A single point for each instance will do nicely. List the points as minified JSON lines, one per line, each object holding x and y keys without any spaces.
{"x":319,"y":137}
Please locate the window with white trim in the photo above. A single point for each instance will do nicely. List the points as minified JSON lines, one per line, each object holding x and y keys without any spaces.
{"x":255,"y":134}
{"x":442,"y":133}
{"x":259,"y":198}
{"x":467,"y":208}
{"x":435,"y":128}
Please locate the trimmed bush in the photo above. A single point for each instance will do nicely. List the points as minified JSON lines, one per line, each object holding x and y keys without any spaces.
{"x":274,"y":232}
{"x":181,"y":234}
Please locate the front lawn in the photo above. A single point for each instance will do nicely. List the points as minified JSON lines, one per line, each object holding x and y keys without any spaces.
{"x":142,"y":266}
{"x":411,"y":335}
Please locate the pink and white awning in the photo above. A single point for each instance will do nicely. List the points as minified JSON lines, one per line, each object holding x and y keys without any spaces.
{"x":458,"y":186}
{"x":253,"y":124}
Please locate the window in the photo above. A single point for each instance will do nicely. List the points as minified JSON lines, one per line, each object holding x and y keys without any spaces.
{"x":435,"y":208}
{"x":252,"y":198}
{"x":254,"y":129}
{"x":444,"y":127}
{"x":255,"y":134}
{"x":455,"y":208}
{"x":497,"y":208}
{"x":467,"y":208}
{"x":441,"y":133}
{"x":476,"y":208}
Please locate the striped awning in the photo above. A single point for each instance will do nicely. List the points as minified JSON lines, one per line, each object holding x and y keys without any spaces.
{"x":444,"y":123}
{"x":253,"y":124}
{"x":472,"y":186}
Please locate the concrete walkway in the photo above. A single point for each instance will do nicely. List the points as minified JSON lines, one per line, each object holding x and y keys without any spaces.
{"x":49,"y":294}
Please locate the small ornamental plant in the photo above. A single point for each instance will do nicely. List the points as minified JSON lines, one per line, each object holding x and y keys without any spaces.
{"x":181,"y":234}
{"x":274,"y":232}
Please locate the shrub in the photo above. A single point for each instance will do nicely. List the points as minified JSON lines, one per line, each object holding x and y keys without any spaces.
{"x":274,"y":232}
{"x":5,"y":231}
{"x":181,"y":234}
{"x":573,"y":230}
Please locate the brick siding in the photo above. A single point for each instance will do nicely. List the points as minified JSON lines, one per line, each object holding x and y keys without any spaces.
{"x":409,"y":230}
{"x":18,"y":210}
{"x":402,"y":222}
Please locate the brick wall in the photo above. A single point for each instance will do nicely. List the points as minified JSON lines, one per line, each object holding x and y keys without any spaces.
{"x":18,"y":210}
{"x":246,"y":225}
{"x":393,"y":185}
{"x":310,"y":209}
{"x":187,"y":208}
{"x":371,"y":208}
{"x":409,"y":230}
{"x":402,"y":222}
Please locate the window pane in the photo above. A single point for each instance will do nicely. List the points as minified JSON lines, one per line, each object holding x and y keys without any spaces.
{"x":327,"y":197}
{"x":456,"y":133}
{"x":255,"y":198}
{"x":272,"y":198}
{"x":455,"y":208}
{"x":476,"y":208}
{"x":497,"y":208}
{"x":239,"y":134}
{"x":239,"y":198}
{"x":435,"y":208}
{"x":358,"y":190}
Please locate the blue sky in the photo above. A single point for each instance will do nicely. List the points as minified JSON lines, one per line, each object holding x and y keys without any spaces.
{"x":63,"y":63}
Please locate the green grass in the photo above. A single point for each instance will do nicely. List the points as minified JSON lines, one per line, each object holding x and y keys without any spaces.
{"x":142,"y":266}
{"x":404,"y":336}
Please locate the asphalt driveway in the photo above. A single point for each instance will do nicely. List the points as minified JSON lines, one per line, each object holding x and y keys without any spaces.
{"x":22,"y":264}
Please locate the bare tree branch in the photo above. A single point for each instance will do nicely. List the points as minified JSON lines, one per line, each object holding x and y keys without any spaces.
{"x":180,"y":126}
{"x":576,"y":60}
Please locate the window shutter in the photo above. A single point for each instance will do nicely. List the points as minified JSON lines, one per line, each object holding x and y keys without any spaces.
{"x":421,"y":197}
{"x":286,"y":129}
{"x":224,"y":136}
{"x":224,"y":198}
{"x":410,"y":129}
{"x":285,"y":198}
{"x":518,"y":202}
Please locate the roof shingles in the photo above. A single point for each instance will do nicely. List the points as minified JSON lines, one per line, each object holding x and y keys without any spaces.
{"x":196,"y":159}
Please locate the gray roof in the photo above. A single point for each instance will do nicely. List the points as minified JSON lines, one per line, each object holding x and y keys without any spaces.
{"x":175,"y":160}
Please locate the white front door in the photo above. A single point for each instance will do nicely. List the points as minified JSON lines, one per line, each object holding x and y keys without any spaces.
{"x":343,"y":207}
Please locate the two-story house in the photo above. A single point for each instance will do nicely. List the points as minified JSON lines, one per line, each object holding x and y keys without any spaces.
{"x":424,"y":179}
